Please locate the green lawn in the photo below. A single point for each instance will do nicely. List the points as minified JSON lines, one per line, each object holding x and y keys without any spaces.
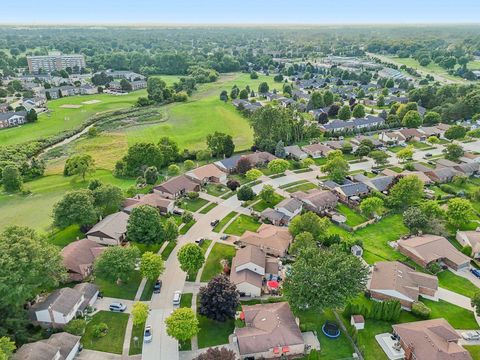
{"x":474,"y":350}
{"x":136,"y":347}
{"x":216,"y":189}
{"x":396,"y":169}
{"x":193,"y":204}
{"x":186,"y":301}
{"x":458,"y":317}
{"x":241,"y":224}
{"x":262,"y":205}
{"x":192,"y":276}
{"x":301,"y":187}
{"x":224,"y":222}
{"x":353,"y":218}
{"x":206,"y":209}
{"x":320,"y":161}
{"x":293,"y":183}
{"x":113,"y":341}
{"x":65,"y":236}
{"x":168,"y":250}
{"x":212,"y":265}
{"x":213,"y":332}
{"x":147,"y":291}
{"x":144,"y":248}
{"x":455,"y":283}
{"x":187,"y":227}
{"x":125,"y":291}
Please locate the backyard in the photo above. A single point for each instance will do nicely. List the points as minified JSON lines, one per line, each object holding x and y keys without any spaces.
{"x":353,"y":218}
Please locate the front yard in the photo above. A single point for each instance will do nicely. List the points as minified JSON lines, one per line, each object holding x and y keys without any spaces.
{"x":458,"y":317}
{"x":301,"y":187}
{"x":193,"y":205}
{"x":224,"y":221}
{"x":212,"y":265}
{"x":241,"y":224}
{"x":216,"y":189}
{"x":136,"y":346}
{"x":186,"y":302}
{"x":455,"y":283}
{"x":262,"y":205}
{"x":112,"y":342}
{"x":206,"y":209}
{"x":213,"y":332}
{"x":125,"y":290}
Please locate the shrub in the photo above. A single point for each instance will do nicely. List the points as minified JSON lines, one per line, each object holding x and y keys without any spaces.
{"x":449,"y":189}
{"x":233,"y":184}
{"x":76,"y":327}
{"x":187,"y":217}
{"x":434,"y":268}
{"x":245,"y":193}
{"x":420,"y":310}
{"x":99,"y":330}
{"x":193,"y":195}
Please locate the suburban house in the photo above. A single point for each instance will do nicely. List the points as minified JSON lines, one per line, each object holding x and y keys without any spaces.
{"x":381,"y":183}
{"x":260,"y":158}
{"x":283,"y":212}
{"x":176,"y":187}
{"x":357,"y":140}
{"x":368,"y":122}
{"x":317,"y":150}
{"x":164,"y":206}
{"x":468,"y":169}
{"x":207,"y":173}
{"x":79,"y":256}
{"x":351,"y":192}
{"x":470,"y":238}
{"x":228,"y":165}
{"x":59,"y":346}
{"x":470,"y":158}
{"x":271,"y":331}
{"x":274,"y":240}
{"x":274,"y":217}
{"x":432,"y":339}
{"x":412,"y":135}
{"x":295,"y":152}
{"x":111,"y":230}
{"x":63,"y":305}
{"x":250,"y":266}
{"x":442,"y":175}
{"x":9,"y":119}
{"x":316,"y":200}
{"x":392,"y":280}
{"x":391,"y":137}
{"x":442,"y":163}
{"x":428,"y":249}
{"x":88,"y":90}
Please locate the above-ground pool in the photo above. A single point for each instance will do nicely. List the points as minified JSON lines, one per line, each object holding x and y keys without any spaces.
{"x":331,"y":330}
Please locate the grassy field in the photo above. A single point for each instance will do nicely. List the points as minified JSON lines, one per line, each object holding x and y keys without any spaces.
{"x":474,"y":351}
{"x":136,"y":347}
{"x":353,"y":217}
{"x":113,"y":341}
{"x":301,"y":187}
{"x":212,"y":265}
{"x":168,"y":250}
{"x":193,"y":205}
{"x":126,"y":290}
{"x":184,"y":229}
{"x":458,"y":317}
{"x":242,"y":224}
{"x":186,"y":301}
{"x":455,"y":283}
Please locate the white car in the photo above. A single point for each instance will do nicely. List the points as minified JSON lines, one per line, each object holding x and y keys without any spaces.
{"x":117,"y":307}
{"x":177,"y":295}
{"x":471,"y":335}
{"x":148,"y":335}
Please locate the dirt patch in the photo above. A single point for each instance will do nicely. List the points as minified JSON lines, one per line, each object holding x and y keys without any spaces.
{"x":91,"y":102}
{"x":69,"y":106}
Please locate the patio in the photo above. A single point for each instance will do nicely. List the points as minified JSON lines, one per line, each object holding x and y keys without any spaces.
{"x":388,"y":346}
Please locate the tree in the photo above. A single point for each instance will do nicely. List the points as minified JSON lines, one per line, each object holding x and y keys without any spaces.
{"x":151,"y":265}
{"x":381,"y":101}
{"x":406,"y":153}
{"x":76,"y":327}
{"x":117,"y":263}
{"x":459,"y":212}
{"x":29,"y":260}
{"x":254,"y":75}
{"x":151,"y":175}
{"x":170,"y":229}
{"x":31,"y":116}
{"x":316,"y":101}
{"x":278,"y":166}
{"x":475,"y":302}
{"x":358,"y":111}
{"x":243,"y":94}
{"x":303,"y":241}
{"x":11,"y":178}
{"x":414,"y":219}
{"x":263,"y":88}
{"x":253,"y":174}
{"x":380,"y":157}
{"x":344,"y":113}
{"x":311,"y":223}
{"x":219,"y":300}
{"x":191,"y":258}
{"x":220,"y":144}
{"x":79,"y":165}
{"x":454,"y":152}
{"x":156,"y":89}
{"x":233,"y":184}
{"x":245,"y":193}
{"x":144,"y":225}
{"x":107,"y":199}
{"x":336,"y":166}
{"x":267,"y":194}
{"x":125,"y":85}
{"x":433,"y":140}
{"x":371,"y":205}
{"x":455,"y":132}
{"x":217,"y":354}
{"x":173,"y":170}
{"x":76,"y":207}
{"x":318,"y":273}
{"x":402,"y":109}
{"x":328,"y":98}
{"x":412,"y":119}
{"x":278,"y":78}
{"x":432,"y":118}
{"x":243,"y":165}
{"x":307,"y":162}
{"x":139,"y":313}
{"x":141,"y":155}
{"x":280,"y":150}
{"x":188,"y":165}
{"x":182,"y":324}
{"x":405,"y":192}
{"x":7,"y":347}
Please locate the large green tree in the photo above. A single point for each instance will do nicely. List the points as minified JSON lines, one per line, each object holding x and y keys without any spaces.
{"x":151,"y":265}
{"x":220,"y":144}
{"x":156,"y":89}
{"x":405,"y":192}
{"x":454,"y":152}
{"x":219,"y":300}
{"x":81,"y":165}
{"x":336,"y":166}
{"x":76,"y":207}
{"x":7,"y":347}
{"x":144,"y":225}
{"x":311,"y":223}
{"x":182,"y":324}
{"x":459,"y":212}
{"x":107,"y":199}
{"x":11,"y":178}
{"x":191,"y":258}
{"x":117,"y":263}
{"x":412,"y":119}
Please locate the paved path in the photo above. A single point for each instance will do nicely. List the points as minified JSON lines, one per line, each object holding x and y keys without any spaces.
{"x":129,"y":329}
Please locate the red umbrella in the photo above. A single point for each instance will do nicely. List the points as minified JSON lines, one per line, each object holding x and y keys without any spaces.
{"x":272,"y":284}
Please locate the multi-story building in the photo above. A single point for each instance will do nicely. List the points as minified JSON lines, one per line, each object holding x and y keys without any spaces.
{"x":54,"y":61}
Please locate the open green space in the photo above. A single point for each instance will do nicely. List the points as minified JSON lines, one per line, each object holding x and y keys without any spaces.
{"x":213,"y":332}
{"x":458,"y":317}
{"x":301,"y":187}
{"x":262,"y":205}
{"x":193,"y":204}
{"x":124,"y":290}
{"x":455,"y":283}
{"x":213,"y":266}
{"x":224,"y":221}
{"x":144,"y":247}
{"x":241,"y":224}
{"x":353,"y":218}
{"x":136,"y":346}
{"x":216,"y":189}
{"x":63,"y":237}
{"x":474,"y":351}
{"x":207,"y":209}
{"x":293,"y":184}
{"x":112,"y":342}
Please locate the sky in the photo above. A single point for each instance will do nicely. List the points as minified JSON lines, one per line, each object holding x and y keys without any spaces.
{"x":242,"y":12}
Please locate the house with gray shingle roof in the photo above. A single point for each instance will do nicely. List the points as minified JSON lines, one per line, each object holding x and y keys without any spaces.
{"x":59,"y":346}
{"x":111,"y":230}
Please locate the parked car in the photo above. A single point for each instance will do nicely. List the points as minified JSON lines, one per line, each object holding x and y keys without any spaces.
{"x":431,"y":162}
{"x":471,"y":335}
{"x":177,"y":296}
{"x":178,"y":211}
{"x":199,"y":241}
{"x":475,"y":272}
{"x":375,"y":171}
{"x":117,"y":307}
{"x":214,"y":222}
{"x":147,"y":336}
{"x":157,"y":287}
{"x":224,"y":237}
{"x":428,"y":155}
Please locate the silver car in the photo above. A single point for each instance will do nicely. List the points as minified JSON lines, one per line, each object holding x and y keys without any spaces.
{"x":177,"y":296}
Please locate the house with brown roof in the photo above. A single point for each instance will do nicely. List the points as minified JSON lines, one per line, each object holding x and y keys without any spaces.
{"x":472,"y":239}
{"x":176,"y":187}
{"x":164,"y":205}
{"x":79,"y":256}
{"x":392,"y":280}
{"x":206,"y":174}
{"x":432,"y":339}
{"x":111,"y":230}
{"x":412,"y":135}
{"x":467,"y":169}
{"x":424,"y":178}
{"x":391,"y":137}
{"x":470,"y":158}
{"x":271,"y":330}
{"x":59,"y":346}
{"x":274,"y":240}
{"x":428,"y":249}
{"x":442,"y":175}
{"x":250,"y":266}
{"x":316,"y":200}
{"x":317,"y":150}
{"x":260,"y":158}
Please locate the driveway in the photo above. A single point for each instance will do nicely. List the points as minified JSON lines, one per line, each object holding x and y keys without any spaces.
{"x":97,"y":355}
{"x":103,"y":304}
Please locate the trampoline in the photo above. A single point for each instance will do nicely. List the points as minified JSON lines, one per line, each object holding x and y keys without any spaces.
{"x":331,"y":330}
